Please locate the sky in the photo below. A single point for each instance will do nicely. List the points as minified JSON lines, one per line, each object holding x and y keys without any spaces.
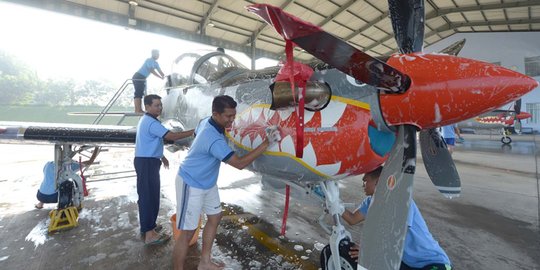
{"x":63,"y":46}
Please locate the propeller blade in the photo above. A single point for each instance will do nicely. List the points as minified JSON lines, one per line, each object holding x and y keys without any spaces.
{"x":333,"y":50}
{"x":454,"y":48}
{"x":439,"y":163}
{"x":383,"y":235}
{"x":408,"y":23}
{"x":517,"y":106}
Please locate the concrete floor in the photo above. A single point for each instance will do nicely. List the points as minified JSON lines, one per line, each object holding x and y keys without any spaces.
{"x":493,"y":225}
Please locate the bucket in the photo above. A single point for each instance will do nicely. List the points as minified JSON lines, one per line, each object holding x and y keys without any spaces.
{"x":176,"y":232}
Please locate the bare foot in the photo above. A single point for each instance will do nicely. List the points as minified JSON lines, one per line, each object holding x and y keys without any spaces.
{"x":39,"y":205}
{"x":210,"y":266}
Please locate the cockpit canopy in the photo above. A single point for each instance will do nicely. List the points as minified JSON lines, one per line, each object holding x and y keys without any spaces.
{"x":202,"y":68}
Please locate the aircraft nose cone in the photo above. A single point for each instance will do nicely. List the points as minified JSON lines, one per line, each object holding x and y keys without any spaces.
{"x":447,"y":89}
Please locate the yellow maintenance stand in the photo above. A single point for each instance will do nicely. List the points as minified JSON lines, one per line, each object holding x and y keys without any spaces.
{"x":63,"y":219}
{"x":70,"y":190}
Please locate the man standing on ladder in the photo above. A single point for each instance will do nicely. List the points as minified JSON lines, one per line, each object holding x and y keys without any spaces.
{"x":139,"y":78}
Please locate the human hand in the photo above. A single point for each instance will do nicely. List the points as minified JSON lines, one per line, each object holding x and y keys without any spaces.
{"x":353,"y":252}
{"x":272,"y":135}
{"x":337,"y":208}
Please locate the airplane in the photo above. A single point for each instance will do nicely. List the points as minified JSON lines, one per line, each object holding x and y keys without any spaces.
{"x":341,"y":116}
{"x":502,"y":120}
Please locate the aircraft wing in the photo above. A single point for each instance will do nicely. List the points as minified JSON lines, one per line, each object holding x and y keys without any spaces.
{"x":54,"y":133}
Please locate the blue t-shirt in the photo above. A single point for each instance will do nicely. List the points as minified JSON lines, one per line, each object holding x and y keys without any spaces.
{"x":47,"y":186}
{"x":149,"y":65}
{"x":149,"y":138}
{"x":449,"y":132}
{"x":420,"y":248}
{"x":200,"y":168}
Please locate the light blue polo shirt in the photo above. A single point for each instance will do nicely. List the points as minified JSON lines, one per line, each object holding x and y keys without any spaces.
{"x":420,"y":247}
{"x":200,"y":168}
{"x":448,"y":131}
{"x":148,"y":66}
{"x":149,"y":138}
{"x":47,"y":186}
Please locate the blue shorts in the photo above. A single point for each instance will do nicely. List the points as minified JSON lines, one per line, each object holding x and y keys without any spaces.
{"x":47,"y":198}
{"x":450,"y":141}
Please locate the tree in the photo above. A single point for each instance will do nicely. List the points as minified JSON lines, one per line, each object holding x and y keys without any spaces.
{"x":18,"y":83}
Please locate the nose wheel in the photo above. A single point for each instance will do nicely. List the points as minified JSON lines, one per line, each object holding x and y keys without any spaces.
{"x":345,"y":260}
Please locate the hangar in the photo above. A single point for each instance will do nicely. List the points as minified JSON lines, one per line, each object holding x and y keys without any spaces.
{"x":363,"y":24}
{"x":299,"y":52}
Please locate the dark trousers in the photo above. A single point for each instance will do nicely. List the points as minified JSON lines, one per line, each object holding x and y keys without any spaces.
{"x":435,"y":266}
{"x":148,"y":189}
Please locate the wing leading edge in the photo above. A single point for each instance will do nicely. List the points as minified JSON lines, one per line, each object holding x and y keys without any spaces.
{"x":46,"y":133}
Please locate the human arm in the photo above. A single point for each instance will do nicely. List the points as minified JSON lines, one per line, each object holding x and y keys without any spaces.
{"x":243,"y":161}
{"x":352,"y":218}
{"x":92,"y":158}
{"x":158,"y":73}
{"x":173,"y":136}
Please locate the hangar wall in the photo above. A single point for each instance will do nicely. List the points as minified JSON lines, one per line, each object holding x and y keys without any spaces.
{"x":508,"y":49}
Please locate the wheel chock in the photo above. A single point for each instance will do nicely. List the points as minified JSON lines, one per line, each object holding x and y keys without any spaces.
{"x":63,"y":219}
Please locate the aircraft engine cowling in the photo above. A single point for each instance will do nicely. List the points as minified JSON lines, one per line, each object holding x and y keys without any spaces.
{"x":318,"y":95}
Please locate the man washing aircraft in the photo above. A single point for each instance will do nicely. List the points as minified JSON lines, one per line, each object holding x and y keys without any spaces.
{"x":139,"y":78}
{"x":196,"y":189}
{"x":421,"y":251}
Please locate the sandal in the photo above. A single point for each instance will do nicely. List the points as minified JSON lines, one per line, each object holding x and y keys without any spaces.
{"x":161,"y":240}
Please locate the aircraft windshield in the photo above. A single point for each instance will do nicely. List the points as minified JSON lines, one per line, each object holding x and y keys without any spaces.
{"x":200,"y":68}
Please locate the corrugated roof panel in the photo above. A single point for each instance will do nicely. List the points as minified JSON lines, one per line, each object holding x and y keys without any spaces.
{"x":436,"y":23}
{"x":517,"y":13}
{"x":476,"y":29}
{"x":181,"y":23}
{"x":106,"y":5}
{"x":445,"y":3}
{"x":473,"y":16}
{"x":193,"y":7}
{"x":453,"y":17}
{"x":323,"y":7}
{"x":494,"y":15}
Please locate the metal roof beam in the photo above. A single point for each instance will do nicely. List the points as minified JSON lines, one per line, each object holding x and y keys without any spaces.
{"x":206,"y":18}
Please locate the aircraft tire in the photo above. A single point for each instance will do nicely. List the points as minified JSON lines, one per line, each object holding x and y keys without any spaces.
{"x":346,"y":262}
{"x":506,"y":140}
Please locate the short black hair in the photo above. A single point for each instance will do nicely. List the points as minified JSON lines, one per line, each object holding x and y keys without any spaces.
{"x":150,"y":98}
{"x":222,"y":102}
{"x":375,"y":174}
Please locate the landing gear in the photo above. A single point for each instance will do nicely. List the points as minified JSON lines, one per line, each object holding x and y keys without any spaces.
{"x":345,"y":260}
{"x":506,"y":136}
{"x":70,"y":192}
{"x":339,"y":234}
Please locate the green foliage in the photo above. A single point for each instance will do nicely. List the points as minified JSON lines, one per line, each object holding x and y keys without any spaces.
{"x":20,"y":85}
{"x":17,"y":81}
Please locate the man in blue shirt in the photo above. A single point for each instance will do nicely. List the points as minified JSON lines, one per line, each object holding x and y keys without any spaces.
{"x":196,"y":189}
{"x":48,"y":190}
{"x":420,"y":251}
{"x":147,"y":162}
{"x":139,"y":78}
